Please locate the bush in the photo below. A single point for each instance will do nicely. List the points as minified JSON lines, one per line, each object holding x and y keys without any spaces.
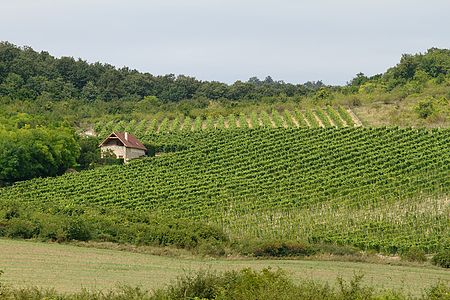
{"x":442,"y":258}
{"x":337,"y":249}
{"x":12,"y":212}
{"x":283,"y":249}
{"x":19,"y":228}
{"x":78,"y":230}
{"x":414,"y":254}
{"x":62,"y":223}
{"x":425,"y":108}
{"x":438,"y":291}
{"x":245,"y":284}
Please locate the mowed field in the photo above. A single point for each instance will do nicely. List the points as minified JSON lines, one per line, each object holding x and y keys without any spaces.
{"x":69,"y":268}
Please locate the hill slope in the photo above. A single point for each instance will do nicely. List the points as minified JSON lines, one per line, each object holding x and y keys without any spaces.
{"x":384,"y":189}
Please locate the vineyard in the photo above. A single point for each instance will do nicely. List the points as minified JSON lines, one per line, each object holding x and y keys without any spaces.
{"x":385,"y":189}
{"x":336,"y":117}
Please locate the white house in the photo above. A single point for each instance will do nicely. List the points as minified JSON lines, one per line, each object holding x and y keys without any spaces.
{"x":123,"y":145}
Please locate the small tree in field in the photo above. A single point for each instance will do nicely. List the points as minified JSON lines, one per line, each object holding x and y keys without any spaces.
{"x":425,"y":108}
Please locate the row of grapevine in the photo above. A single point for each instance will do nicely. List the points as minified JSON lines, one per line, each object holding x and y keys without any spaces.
{"x":329,"y":117}
{"x":375,"y":188}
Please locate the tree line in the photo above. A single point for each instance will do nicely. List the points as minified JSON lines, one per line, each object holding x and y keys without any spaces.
{"x":27,"y":74}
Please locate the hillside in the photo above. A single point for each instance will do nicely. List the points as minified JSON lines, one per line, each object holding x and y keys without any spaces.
{"x":415,"y":92}
{"x":335,"y":117}
{"x":385,"y":189}
{"x":364,"y":164}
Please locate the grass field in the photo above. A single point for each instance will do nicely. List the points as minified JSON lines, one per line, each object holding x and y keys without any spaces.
{"x":68,"y":268}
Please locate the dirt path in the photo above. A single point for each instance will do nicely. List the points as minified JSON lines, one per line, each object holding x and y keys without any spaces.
{"x":261,"y":124}
{"x":342,"y":120}
{"x":356,"y":121}
{"x":305,"y":119}
{"x":284,"y":122}
{"x":183,"y":124}
{"x":317,"y":119}
{"x":271,"y":121}
{"x":225,"y":124}
{"x":158,"y":127}
{"x":329,"y":119}
{"x":294,"y":120}
{"x":249,"y":122}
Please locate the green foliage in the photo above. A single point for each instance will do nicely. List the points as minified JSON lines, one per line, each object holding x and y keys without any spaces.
{"x":20,"y":228}
{"x":438,"y":292}
{"x":433,"y":63}
{"x":65,"y":223}
{"x":310,"y":117}
{"x":27,"y":74}
{"x":231,"y":121}
{"x":245,"y":284}
{"x":414,"y":254}
{"x":248,"y":284}
{"x":442,"y":258}
{"x":283,"y":249}
{"x":28,"y":150}
{"x":345,"y":116}
{"x":334,"y":116}
{"x":79,"y":92}
{"x":425,"y":108}
{"x":78,"y":230}
{"x":354,"y":289}
{"x":275,"y":184}
{"x":89,"y":152}
{"x":323,"y":117}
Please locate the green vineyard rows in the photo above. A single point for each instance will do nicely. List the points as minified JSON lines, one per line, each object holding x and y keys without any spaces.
{"x":329,"y":117}
{"x":375,"y":188}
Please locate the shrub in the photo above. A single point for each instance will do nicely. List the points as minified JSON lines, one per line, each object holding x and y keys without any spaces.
{"x":52,"y":229}
{"x":442,"y":258}
{"x":78,"y":230}
{"x":20,"y":228}
{"x":354,"y":288}
{"x":12,"y":212}
{"x":336,"y":249}
{"x":425,"y":108}
{"x":438,"y":291}
{"x":414,"y":254}
{"x":245,"y":284}
{"x":283,"y":249}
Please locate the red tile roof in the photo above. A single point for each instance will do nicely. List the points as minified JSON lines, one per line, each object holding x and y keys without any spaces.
{"x":131,"y":142}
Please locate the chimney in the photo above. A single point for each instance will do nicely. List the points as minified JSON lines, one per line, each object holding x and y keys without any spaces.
{"x":126,"y":136}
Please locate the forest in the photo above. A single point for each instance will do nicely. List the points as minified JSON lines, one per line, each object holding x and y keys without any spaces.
{"x":26,"y":74}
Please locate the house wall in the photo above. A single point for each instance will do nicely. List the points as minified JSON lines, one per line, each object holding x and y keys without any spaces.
{"x":134,"y":153}
{"x":119,"y":151}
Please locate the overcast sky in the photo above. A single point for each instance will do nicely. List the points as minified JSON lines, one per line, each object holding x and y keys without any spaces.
{"x":231,"y":40}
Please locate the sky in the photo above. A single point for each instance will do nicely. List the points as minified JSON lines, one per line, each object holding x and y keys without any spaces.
{"x":229,"y":40}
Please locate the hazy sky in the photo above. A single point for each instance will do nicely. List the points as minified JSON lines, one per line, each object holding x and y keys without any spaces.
{"x":231,"y":40}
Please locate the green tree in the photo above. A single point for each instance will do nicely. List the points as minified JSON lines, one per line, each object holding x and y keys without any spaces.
{"x":425,"y":108}
{"x":29,"y":152}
